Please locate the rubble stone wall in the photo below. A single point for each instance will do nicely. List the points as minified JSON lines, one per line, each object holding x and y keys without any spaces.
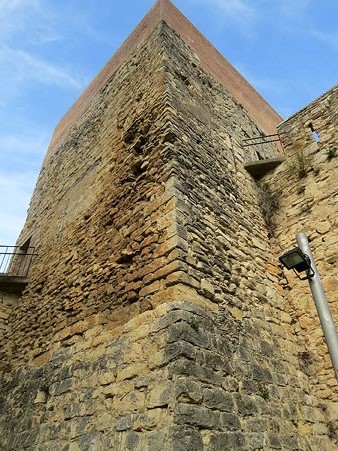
{"x":8,"y":302}
{"x":154,"y":319}
{"x":209,"y":59}
{"x":306,"y":186}
{"x":249,"y":340}
{"x":321,"y":116}
{"x":100,"y":213}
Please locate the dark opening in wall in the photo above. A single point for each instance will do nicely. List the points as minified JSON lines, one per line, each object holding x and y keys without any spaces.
{"x":138,"y":168}
{"x":314,"y":132}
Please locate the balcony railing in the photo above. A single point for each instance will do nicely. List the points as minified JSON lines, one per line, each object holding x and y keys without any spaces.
{"x":15,"y":260}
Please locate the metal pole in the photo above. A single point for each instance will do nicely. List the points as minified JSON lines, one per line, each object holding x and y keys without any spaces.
{"x":322,"y":305}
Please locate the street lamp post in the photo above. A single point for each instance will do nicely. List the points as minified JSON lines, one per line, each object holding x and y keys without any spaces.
{"x":301,"y":259}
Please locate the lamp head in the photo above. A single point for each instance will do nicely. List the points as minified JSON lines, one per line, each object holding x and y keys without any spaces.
{"x":298,"y":261}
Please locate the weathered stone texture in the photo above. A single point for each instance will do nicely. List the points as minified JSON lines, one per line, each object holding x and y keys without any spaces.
{"x":8,"y":303}
{"x":308,"y":203}
{"x":296,"y":132}
{"x":92,"y":395}
{"x":154,"y":319}
{"x":209,"y":59}
{"x":101,"y":212}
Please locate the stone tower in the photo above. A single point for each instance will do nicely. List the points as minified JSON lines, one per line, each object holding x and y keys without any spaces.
{"x":154,"y":316}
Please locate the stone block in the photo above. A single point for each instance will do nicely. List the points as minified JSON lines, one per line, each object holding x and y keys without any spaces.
{"x":188,"y":391}
{"x":149,"y":419}
{"x":129,"y":402}
{"x":246,"y":405}
{"x":132,"y":370}
{"x":132,"y":440}
{"x":160,"y":395}
{"x":217,"y":398}
{"x":185,"y":438}
{"x":124,"y":423}
{"x":207,"y":289}
{"x":150,"y":289}
{"x":189,"y":331}
{"x":197,"y":416}
{"x":3,"y":315}
{"x":227,"y":441}
{"x":185,"y":367}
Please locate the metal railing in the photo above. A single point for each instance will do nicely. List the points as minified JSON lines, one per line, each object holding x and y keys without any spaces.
{"x":15,"y":260}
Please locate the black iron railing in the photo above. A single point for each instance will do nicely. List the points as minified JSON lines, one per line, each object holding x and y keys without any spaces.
{"x":15,"y":260}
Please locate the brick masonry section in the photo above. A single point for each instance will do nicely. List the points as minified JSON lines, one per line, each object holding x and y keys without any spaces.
{"x":210,"y":60}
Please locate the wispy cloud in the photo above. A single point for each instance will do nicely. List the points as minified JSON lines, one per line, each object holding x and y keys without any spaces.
{"x":238,"y":12}
{"x":292,"y":8}
{"x":24,"y":24}
{"x":16,"y":187}
{"x":21,"y":155}
{"x":26,"y":66}
{"x":27,"y":145}
{"x":13,"y":5}
{"x":234,"y":8}
{"x":15,"y":193}
{"x":17,"y":16}
{"x":30,"y":62}
{"x":328,"y":38}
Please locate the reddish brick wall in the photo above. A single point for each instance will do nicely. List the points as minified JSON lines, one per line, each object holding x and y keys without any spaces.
{"x":217,"y":66}
{"x":211,"y":61}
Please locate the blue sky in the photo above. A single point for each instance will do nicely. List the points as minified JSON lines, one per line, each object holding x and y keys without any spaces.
{"x":51,"y":49}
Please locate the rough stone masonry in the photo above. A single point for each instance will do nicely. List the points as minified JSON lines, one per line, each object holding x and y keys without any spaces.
{"x":156,"y":316}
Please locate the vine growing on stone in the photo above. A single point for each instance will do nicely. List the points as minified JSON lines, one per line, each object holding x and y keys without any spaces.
{"x":269,"y":204}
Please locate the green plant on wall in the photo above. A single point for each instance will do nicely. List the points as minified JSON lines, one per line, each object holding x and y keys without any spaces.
{"x":301,"y":190}
{"x":194,"y":324}
{"x":299,"y":164}
{"x":331,"y":153}
{"x":263,"y":392}
{"x":269,"y":203}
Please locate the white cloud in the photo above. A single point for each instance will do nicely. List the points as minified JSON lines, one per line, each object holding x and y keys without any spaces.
{"x":234,"y":8}
{"x":14,"y":186}
{"x":28,"y":28}
{"x":26,"y":18}
{"x":13,"y":5}
{"x":26,"y":66}
{"x":328,"y":38}
{"x":21,"y":155}
{"x":17,"y":16}
{"x":292,"y":8}
{"x":25,"y":148}
{"x":15,"y":192}
{"x":225,"y":12}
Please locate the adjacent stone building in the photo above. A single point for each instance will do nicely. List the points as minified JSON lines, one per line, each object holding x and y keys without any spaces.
{"x":155,"y":315}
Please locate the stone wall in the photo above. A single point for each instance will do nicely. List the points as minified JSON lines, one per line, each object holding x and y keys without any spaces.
{"x":8,"y":303}
{"x":209,"y":59}
{"x":321,"y":116}
{"x":306,"y":186}
{"x":154,"y":319}
{"x":231,"y":263}
{"x":99,"y":210}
